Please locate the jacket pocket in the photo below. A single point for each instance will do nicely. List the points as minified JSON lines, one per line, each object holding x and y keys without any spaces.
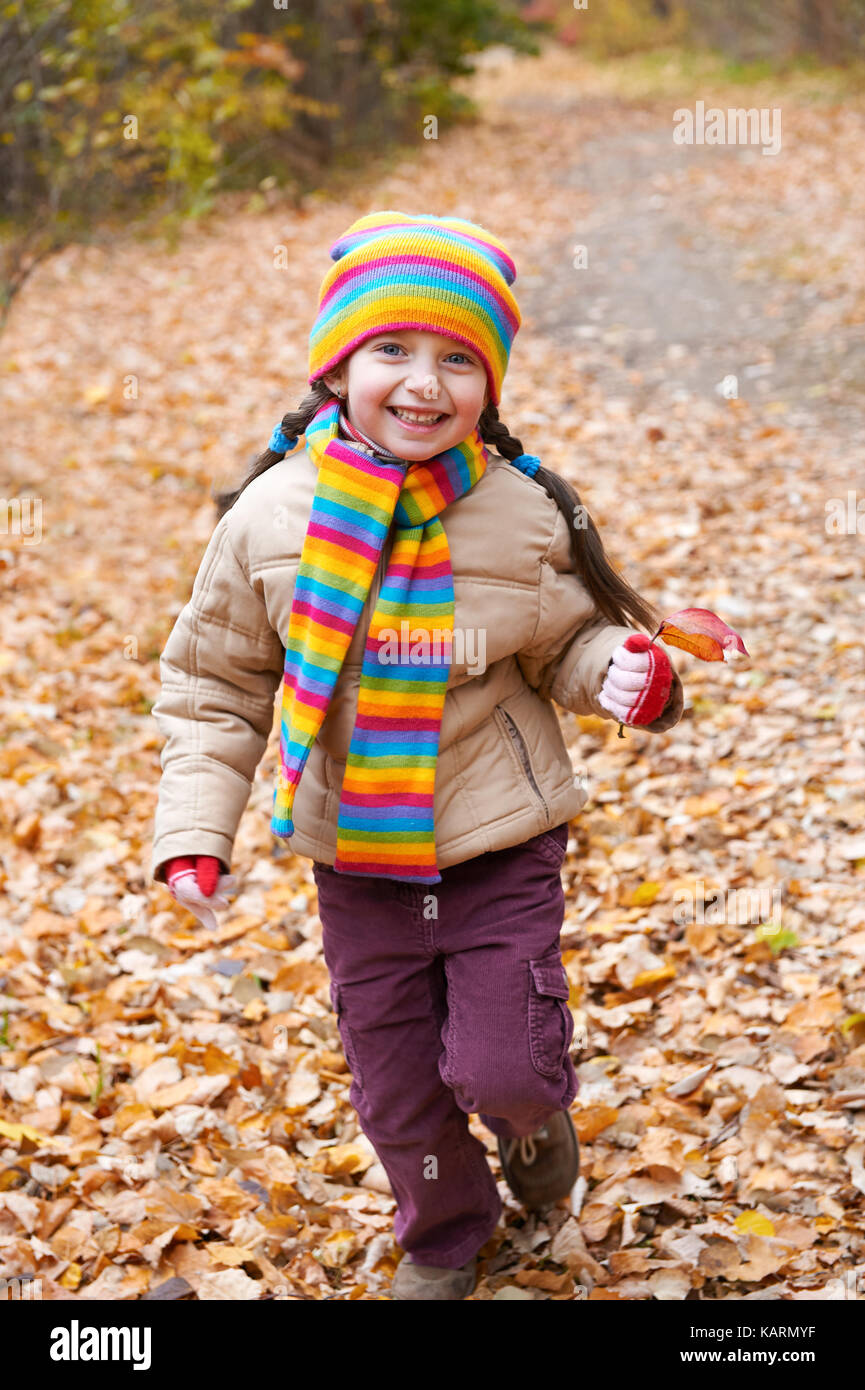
{"x":509,"y":726}
{"x":348,"y":1043}
{"x":551,"y":1023}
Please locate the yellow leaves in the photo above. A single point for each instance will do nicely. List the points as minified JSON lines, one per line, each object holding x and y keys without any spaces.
{"x":222,"y":1253}
{"x":825,"y":1224}
{"x":608,"y":1062}
{"x":130,"y":1114}
{"x":259,"y":1121}
{"x":27,"y":831}
{"x":96,"y":394}
{"x":707,"y":804}
{"x":647,"y":979}
{"x":337,"y":1248}
{"x":754,"y":1223}
{"x":333,"y":1062}
{"x":302,"y":977}
{"x":644,"y":894}
{"x":17,"y":1132}
{"x":342,"y":1159}
{"x":702,"y":811}
{"x":71,"y":1276}
{"x":593,"y":724}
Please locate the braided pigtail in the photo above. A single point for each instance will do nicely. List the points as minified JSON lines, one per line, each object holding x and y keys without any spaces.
{"x":613,"y":595}
{"x":293,"y":424}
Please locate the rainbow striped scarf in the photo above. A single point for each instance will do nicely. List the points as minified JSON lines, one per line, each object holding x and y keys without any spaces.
{"x":385,"y":825}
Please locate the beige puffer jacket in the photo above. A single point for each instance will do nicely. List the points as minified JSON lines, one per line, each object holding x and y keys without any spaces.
{"x":503,"y":773}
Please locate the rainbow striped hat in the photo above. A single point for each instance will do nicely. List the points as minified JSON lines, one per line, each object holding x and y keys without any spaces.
{"x":438,"y":273}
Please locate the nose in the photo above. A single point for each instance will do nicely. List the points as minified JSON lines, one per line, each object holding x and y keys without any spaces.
{"x":425,"y":384}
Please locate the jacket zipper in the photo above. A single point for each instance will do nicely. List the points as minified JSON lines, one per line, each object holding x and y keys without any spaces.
{"x":520,"y":745}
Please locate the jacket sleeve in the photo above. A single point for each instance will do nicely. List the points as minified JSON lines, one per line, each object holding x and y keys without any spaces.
{"x":573,"y":644}
{"x":219,"y":673}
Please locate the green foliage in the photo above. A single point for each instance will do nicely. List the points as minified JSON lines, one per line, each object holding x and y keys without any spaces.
{"x":777,"y":937}
{"x":629,"y":26}
{"x":112,"y":110}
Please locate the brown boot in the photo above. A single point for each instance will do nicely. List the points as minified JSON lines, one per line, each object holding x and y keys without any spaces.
{"x":413,"y":1281}
{"x":540,"y":1168}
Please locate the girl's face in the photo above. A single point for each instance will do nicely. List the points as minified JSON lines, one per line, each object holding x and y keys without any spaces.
{"x":398,"y":376}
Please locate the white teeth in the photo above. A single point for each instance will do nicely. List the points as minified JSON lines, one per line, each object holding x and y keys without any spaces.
{"x":414,"y":416}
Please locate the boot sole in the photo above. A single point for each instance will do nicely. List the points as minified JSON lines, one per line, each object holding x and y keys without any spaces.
{"x":411,"y":1286}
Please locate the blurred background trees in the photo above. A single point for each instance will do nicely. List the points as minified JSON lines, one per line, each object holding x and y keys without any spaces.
{"x":777,"y":32}
{"x":110,"y":110}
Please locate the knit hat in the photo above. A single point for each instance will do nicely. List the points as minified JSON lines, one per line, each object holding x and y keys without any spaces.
{"x":441,"y":274}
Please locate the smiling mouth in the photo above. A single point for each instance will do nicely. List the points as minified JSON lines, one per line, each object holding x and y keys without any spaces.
{"x":416,"y":417}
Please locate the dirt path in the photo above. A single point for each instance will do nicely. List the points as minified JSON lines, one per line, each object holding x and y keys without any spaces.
{"x":669,"y":304}
{"x":215,"y":1068}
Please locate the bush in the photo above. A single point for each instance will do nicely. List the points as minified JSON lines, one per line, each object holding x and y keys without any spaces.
{"x":111,"y":109}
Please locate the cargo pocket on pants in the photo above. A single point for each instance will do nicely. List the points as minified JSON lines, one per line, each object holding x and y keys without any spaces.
{"x":551,"y":1023}
{"x":348,"y":1044}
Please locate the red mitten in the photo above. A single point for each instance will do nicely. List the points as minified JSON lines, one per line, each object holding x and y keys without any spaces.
{"x":198,"y":884}
{"x":204,"y":866}
{"x":638,"y":681}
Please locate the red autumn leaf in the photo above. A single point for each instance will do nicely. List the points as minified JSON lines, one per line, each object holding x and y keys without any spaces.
{"x":700,"y":632}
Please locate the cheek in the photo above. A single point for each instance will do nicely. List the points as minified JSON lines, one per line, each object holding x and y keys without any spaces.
{"x":470,"y":401}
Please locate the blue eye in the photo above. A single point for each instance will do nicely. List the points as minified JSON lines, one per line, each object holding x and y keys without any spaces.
{"x":465,"y":360}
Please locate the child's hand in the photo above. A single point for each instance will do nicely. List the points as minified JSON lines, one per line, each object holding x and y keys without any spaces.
{"x":637,"y":684}
{"x":197,"y":883}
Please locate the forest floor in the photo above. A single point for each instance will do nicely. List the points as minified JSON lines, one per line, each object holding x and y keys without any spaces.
{"x":175,"y":1105}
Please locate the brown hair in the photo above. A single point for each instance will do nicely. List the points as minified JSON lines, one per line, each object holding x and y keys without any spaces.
{"x":613,"y":595}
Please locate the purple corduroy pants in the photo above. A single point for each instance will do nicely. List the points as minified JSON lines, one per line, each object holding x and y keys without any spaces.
{"x":452,"y":1000}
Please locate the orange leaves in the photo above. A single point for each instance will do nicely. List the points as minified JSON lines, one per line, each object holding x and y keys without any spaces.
{"x":259,"y":51}
{"x":707,"y":1061}
{"x":700,"y":632}
{"x":822,"y":1010}
{"x":592,"y":1121}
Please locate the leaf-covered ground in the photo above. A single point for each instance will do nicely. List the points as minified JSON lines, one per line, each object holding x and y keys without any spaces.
{"x":175,"y":1115}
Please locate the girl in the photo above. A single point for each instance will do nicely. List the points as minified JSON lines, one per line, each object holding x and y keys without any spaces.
{"x":421,"y":763}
